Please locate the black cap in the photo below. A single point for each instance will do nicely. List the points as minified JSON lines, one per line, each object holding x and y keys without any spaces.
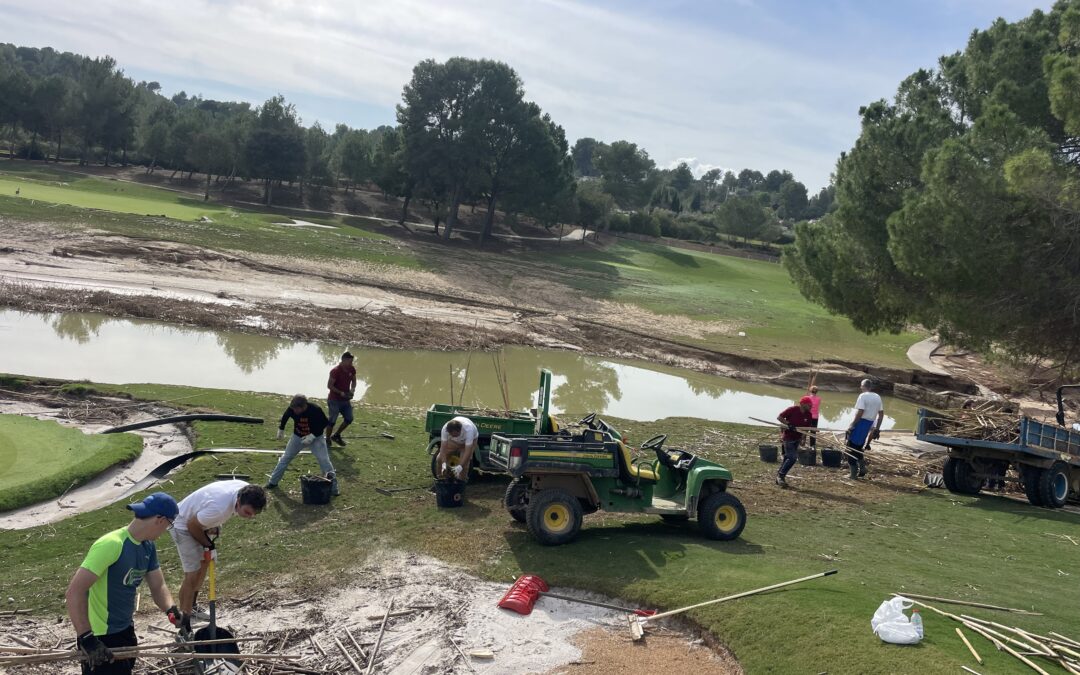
{"x":346,"y":355}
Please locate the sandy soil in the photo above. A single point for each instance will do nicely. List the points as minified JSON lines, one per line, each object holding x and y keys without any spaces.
{"x":159,"y":444}
{"x":448,"y":606}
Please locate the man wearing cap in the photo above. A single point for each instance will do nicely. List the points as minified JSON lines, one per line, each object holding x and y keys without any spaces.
{"x":869,"y":412}
{"x":792,"y":418}
{"x":101,"y":595}
{"x":200,"y":517}
{"x":342,"y":386}
{"x":309,"y":425}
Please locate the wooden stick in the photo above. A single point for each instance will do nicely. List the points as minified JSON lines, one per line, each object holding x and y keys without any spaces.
{"x":347,"y":655}
{"x":133,"y":654}
{"x":1023,"y":659}
{"x":973,"y":672}
{"x":982,"y":623}
{"x":378,"y":641}
{"x":1064,"y":639}
{"x":968,"y":645}
{"x":463,"y":657}
{"x":356,"y":644}
{"x":970,"y":604}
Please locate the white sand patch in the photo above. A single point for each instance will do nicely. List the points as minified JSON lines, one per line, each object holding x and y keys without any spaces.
{"x":304,"y":223}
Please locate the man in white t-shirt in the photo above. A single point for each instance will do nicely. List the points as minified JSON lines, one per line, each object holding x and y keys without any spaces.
{"x":198,"y":522}
{"x":459,"y":435}
{"x":869,"y":411}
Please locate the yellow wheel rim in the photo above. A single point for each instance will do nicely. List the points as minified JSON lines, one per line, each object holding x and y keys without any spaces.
{"x":556,"y":518}
{"x":727,"y":518}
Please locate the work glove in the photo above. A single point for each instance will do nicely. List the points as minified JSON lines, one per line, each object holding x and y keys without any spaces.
{"x":457,"y":470}
{"x":877,"y":434}
{"x":175,"y":616}
{"x":94,"y":650}
{"x":308,"y":440}
{"x":280,"y":434}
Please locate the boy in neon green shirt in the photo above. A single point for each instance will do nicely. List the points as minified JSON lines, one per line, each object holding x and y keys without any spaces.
{"x":101,"y":595}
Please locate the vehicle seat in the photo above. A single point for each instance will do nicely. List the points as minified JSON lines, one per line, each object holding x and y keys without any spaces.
{"x":634,"y":472}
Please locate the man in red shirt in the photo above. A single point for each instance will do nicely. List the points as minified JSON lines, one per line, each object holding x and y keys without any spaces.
{"x":792,"y":418}
{"x":342,"y":386}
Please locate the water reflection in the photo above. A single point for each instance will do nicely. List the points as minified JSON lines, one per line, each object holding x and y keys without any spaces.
{"x":88,"y":346}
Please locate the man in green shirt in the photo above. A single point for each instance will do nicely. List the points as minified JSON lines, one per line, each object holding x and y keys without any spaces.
{"x":101,"y":595}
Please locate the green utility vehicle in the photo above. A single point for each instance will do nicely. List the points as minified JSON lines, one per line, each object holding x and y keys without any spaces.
{"x":538,"y":421}
{"x":560,"y":478}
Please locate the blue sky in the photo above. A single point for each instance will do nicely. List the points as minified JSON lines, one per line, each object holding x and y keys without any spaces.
{"x":761,"y":84}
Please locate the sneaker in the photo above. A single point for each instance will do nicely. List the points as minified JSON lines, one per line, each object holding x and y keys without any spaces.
{"x":339,"y":440}
{"x":781,"y":482}
{"x":270,"y":486}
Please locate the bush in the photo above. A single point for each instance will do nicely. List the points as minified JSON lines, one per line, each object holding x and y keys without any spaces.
{"x":664,"y":221}
{"x":619,"y":222}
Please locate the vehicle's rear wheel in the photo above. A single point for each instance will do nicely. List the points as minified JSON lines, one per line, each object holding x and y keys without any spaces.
{"x":1032,"y":477}
{"x":516,"y":499}
{"x":1053,"y":485}
{"x":721,"y":516}
{"x":553,"y":517}
{"x":962,"y":473}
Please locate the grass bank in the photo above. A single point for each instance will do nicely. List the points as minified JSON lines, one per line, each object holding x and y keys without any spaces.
{"x":990,"y":549}
{"x":41,"y":460}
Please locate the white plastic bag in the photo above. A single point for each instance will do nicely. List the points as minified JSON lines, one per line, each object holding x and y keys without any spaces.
{"x":892,"y":625}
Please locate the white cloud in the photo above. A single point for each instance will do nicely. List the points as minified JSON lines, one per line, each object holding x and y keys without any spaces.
{"x":697,"y":167}
{"x":674,"y":89}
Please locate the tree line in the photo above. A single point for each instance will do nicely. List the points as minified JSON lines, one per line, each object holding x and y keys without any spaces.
{"x":465,"y":135}
{"x":959,"y":205}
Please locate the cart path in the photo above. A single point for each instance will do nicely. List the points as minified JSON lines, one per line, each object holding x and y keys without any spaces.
{"x":920,"y":353}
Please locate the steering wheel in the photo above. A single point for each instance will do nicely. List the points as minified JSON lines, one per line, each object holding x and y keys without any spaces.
{"x":589,"y":420}
{"x":654,"y":443}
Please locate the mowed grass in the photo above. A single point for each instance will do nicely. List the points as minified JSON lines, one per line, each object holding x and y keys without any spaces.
{"x":40,"y":459}
{"x":754,"y":297}
{"x":59,"y":196}
{"x":987,"y":549}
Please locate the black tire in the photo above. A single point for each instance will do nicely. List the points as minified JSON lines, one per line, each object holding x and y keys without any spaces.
{"x":948,"y":474}
{"x":433,"y":450}
{"x":516,"y":499}
{"x":1032,"y":477}
{"x":1053,"y":485}
{"x":963,"y":477}
{"x":553,"y":517}
{"x":721,"y":516}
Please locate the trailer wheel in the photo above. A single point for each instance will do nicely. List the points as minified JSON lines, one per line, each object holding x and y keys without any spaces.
{"x":553,"y":517}
{"x":721,"y":516}
{"x":961,"y":474}
{"x":1053,"y":485}
{"x":1032,"y":477}
{"x":516,"y":499}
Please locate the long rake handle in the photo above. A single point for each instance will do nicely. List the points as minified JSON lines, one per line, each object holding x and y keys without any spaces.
{"x":735,"y":597}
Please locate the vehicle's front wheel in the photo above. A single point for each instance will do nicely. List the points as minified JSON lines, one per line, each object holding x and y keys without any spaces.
{"x":721,"y":516}
{"x":516,"y":499}
{"x":553,"y":517}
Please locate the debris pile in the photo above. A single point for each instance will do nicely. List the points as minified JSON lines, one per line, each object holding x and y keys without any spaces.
{"x":986,"y":421}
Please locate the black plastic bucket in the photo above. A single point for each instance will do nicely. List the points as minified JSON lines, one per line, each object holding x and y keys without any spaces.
{"x":831,"y":458}
{"x":449,"y":493}
{"x":808,"y":457}
{"x":315,"y":489}
{"x":768,"y":453}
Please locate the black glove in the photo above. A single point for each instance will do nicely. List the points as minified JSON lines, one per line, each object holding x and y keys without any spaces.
{"x":877,"y":434}
{"x":94,"y":650}
{"x":175,"y":617}
{"x":791,"y":427}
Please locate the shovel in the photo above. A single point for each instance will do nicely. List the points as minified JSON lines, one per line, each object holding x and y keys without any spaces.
{"x":382,"y":434}
{"x":389,"y":492}
{"x":212,"y":632}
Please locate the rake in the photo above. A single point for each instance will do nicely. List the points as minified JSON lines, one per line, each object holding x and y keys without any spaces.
{"x":528,"y":588}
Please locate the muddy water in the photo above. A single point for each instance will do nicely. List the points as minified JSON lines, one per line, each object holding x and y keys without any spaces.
{"x":103,"y":349}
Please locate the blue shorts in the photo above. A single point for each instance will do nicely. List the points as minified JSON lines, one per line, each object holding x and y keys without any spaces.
{"x":343,"y":407}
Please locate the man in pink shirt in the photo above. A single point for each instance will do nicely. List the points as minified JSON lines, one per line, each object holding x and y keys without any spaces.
{"x":815,"y":409}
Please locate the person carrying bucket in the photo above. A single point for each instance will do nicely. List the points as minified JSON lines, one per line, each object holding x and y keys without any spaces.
{"x":869,"y":411}
{"x":101,"y":595}
{"x":309,"y":427}
{"x":459,"y":435}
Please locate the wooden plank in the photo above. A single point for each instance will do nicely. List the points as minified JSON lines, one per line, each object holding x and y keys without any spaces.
{"x":968,"y":645}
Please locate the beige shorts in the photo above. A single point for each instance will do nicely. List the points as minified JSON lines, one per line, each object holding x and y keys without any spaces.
{"x":191,"y":551}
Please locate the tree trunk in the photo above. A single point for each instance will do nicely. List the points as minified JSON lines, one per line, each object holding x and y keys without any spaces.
{"x":489,"y":221}
{"x":11,"y":146}
{"x":108,"y":151}
{"x":59,"y":143}
{"x":452,"y":214}
{"x":150,"y":166}
{"x":206,"y":197}
{"x":33,"y":142}
{"x":123,"y":157}
{"x":405,"y":209}
{"x":269,"y":192}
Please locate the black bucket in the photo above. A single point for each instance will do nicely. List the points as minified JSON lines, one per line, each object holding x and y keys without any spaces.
{"x":831,"y":458}
{"x":315,"y":489}
{"x":449,"y":493}
{"x":808,"y":457}
{"x":768,"y":453}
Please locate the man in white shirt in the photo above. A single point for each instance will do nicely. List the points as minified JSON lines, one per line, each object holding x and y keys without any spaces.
{"x":869,"y":411}
{"x":201,"y":515}
{"x":459,"y":435}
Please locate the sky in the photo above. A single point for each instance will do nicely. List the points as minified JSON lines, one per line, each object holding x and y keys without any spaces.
{"x":760,"y":84}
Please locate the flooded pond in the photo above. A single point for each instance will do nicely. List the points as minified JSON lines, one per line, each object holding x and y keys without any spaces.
{"x":99,"y":348}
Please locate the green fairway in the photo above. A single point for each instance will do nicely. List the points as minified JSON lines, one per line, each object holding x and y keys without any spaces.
{"x":40,"y":460}
{"x":988,"y":549}
{"x":58,"y":196}
{"x":753,"y":296}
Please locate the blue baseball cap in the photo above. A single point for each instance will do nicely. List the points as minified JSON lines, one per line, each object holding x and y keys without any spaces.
{"x":157,"y":504}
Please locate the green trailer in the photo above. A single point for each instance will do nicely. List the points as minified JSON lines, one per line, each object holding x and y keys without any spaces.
{"x":538,"y":421}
